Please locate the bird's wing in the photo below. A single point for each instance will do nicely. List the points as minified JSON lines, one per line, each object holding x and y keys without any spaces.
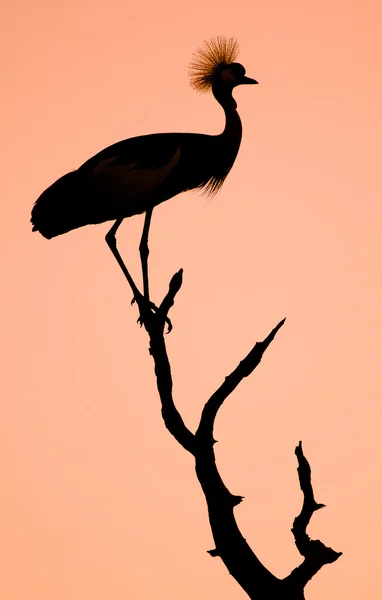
{"x":147,"y":152}
{"x":124,"y":179}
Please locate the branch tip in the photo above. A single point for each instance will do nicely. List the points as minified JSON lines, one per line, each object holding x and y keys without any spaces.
{"x":176,"y":282}
{"x":275,"y":330}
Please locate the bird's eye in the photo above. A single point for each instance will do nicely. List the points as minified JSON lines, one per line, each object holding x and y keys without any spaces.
{"x":228,"y":75}
{"x":238,"y":70}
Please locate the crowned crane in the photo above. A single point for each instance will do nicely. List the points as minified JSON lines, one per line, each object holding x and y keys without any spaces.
{"x":135,"y":175}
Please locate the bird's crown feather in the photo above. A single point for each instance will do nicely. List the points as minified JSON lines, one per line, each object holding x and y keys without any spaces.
{"x":214,"y":54}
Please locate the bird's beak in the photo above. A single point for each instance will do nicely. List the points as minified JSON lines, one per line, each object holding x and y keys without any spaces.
{"x":248,"y":80}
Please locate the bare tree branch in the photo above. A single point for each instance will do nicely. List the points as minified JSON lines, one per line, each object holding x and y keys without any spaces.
{"x":154,"y":323}
{"x":240,"y":560}
{"x":309,"y":505}
{"x":244,"y":369}
{"x":231,"y":546}
{"x":316,"y":554}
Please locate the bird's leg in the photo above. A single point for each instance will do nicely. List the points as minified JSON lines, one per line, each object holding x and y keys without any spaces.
{"x":144,"y":304}
{"x":144,"y":252}
{"x":112,"y":243}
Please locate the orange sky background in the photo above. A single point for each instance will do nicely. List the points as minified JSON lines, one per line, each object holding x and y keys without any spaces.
{"x":97,"y":499}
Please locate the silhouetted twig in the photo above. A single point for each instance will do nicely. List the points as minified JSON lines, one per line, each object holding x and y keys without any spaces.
{"x":316,"y":554}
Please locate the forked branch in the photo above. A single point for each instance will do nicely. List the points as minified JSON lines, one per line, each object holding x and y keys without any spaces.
{"x":230,"y":545}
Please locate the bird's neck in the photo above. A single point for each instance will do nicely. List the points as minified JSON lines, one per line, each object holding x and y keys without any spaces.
{"x":233,"y":128}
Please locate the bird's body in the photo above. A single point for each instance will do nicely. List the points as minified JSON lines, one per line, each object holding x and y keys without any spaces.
{"x":135,"y":175}
{"x":130,"y":176}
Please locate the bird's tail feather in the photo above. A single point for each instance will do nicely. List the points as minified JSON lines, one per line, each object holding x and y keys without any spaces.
{"x":65,"y":205}
{"x":55,"y":211}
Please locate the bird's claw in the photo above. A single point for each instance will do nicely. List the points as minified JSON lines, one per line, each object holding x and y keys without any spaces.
{"x":146,"y":305}
{"x":169,"y":325}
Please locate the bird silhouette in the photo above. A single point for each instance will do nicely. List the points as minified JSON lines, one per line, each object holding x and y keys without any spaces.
{"x":135,"y":175}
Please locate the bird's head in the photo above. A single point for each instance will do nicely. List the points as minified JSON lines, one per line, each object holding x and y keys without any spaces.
{"x":213,"y":66}
{"x":232,"y":75}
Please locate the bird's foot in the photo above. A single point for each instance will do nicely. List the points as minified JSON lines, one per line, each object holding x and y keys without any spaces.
{"x":147,"y":310}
